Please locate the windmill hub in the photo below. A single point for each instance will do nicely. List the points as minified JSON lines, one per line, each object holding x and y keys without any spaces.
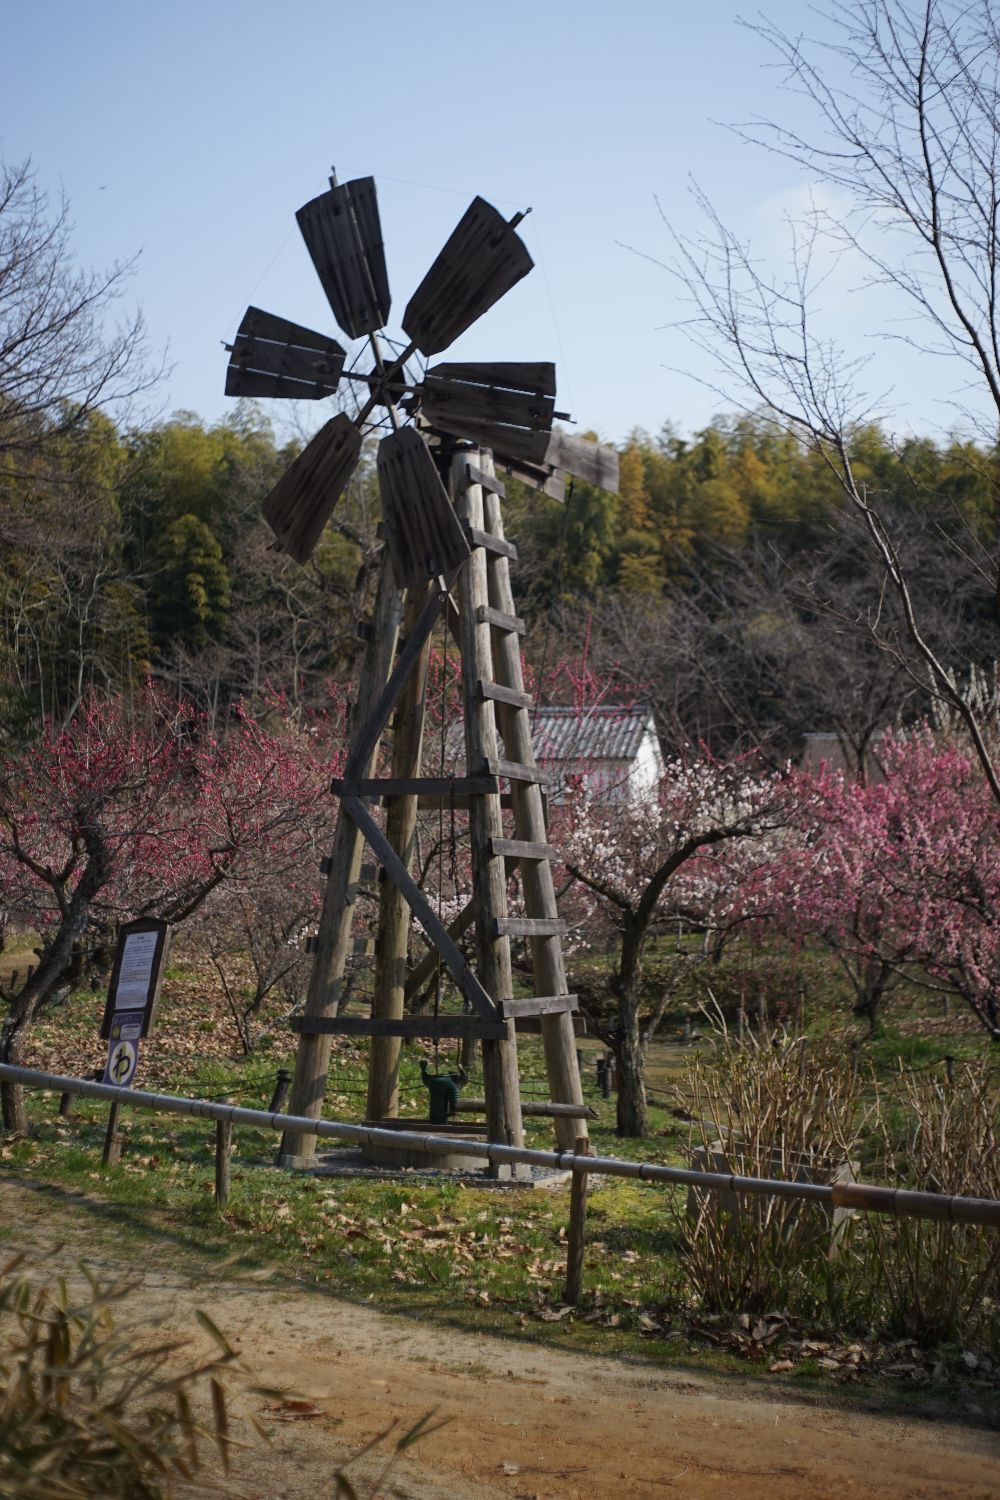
{"x":388,"y":386}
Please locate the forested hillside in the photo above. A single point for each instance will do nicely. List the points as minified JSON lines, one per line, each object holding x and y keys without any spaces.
{"x":727,"y":583}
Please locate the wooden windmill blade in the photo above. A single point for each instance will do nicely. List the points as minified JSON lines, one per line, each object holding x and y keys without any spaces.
{"x":422,"y":532}
{"x":551,"y":482}
{"x":301,"y":502}
{"x":595,"y":462}
{"x":535,"y":377}
{"x":343,"y":234}
{"x":507,"y":407}
{"x":584,"y":459}
{"x":273,"y":357}
{"x":481,"y":261}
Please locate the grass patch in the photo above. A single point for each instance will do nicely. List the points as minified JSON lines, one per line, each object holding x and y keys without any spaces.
{"x":468,"y":1257}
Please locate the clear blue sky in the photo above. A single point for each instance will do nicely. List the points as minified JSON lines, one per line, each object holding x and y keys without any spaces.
{"x":191,"y":132}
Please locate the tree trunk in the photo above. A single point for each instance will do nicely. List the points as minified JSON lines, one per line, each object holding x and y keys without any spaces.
{"x":630,"y":1057}
{"x":631,"y":1119}
{"x":54,"y":963}
{"x":12,"y":1100}
{"x":870,"y":987}
{"x":629,"y":1048}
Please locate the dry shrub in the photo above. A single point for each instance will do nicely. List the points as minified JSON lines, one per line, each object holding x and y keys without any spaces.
{"x":939,"y":1282}
{"x":86,"y":1410}
{"x":791,"y":1111}
{"x":778,"y":1109}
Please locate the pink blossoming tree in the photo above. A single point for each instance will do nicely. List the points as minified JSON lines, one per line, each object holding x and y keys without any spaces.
{"x":133,"y":810}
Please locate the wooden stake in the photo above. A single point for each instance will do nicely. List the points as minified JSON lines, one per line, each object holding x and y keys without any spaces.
{"x":577,"y":1227}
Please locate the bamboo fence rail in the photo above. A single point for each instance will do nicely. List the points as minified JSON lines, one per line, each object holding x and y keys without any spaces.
{"x":858,"y":1195}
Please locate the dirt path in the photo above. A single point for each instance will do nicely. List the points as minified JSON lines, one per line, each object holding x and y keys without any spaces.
{"x":524,"y":1421}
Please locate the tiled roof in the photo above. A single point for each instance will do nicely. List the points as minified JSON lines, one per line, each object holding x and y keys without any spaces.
{"x":610,"y":732}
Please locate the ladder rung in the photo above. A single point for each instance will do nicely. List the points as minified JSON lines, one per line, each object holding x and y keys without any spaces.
{"x":461,"y":802}
{"x":490,"y":543}
{"x":528,"y":926}
{"x":539,"y":1005}
{"x":532,"y":1025}
{"x":415,"y":786}
{"x":409,"y":1026}
{"x":488,"y":481}
{"x":500,"y":694}
{"x":514,"y":771}
{"x":496,"y":617}
{"x":523,"y":849}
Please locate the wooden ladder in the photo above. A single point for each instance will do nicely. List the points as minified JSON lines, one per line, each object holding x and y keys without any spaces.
{"x":493,"y":683}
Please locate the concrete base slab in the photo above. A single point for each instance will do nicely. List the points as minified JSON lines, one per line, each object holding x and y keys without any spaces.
{"x":350,"y":1161}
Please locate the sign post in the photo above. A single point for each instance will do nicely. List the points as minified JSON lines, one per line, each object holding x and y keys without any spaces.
{"x":130,"y":1008}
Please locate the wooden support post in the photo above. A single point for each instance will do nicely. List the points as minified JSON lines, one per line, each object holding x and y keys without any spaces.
{"x":500,"y":1074}
{"x":558,"y":1037}
{"x":66,"y":1100}
{"x":394,"y":911}
{"x":576,"y":1234}
{"x":223,"y":1160}
{"x":334,"y":939}
{"x":111,"y":1154}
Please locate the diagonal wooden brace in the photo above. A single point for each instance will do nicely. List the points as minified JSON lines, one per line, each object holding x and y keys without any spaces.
{"x":425,"y":914}
{"x":371,"y":729}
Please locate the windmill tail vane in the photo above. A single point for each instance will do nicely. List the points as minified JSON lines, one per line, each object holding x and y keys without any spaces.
{"x":508,"y":406}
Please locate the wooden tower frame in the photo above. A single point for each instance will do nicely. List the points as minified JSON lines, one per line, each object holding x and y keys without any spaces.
{"x":445,"y":555}
{"x":498,"y":749}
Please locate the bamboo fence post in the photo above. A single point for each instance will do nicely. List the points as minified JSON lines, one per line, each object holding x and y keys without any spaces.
{"x":112,"y":1138}
{"x":280,"y":1093}
{"x":223,"y":1160}
{"x":576,"y":1237}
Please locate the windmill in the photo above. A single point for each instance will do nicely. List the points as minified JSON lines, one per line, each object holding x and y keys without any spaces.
{"x":507,"y":407}
{"x":500,"y":413}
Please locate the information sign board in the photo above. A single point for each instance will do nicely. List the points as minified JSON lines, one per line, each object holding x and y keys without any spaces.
{"x":136,"y":975}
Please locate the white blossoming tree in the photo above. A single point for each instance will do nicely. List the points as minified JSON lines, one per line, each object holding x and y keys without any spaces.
{"x":681,"y":855}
